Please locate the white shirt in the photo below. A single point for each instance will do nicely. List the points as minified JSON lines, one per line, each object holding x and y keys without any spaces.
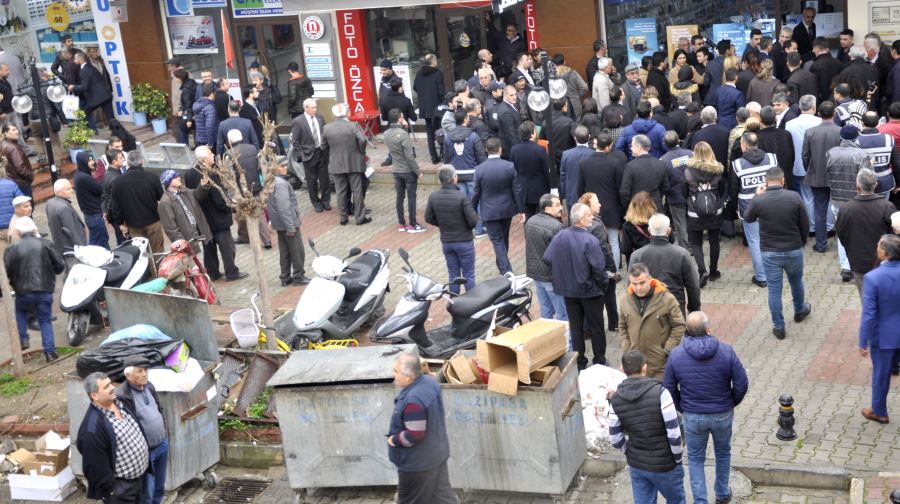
{"x":527,"y":75}
{"x":314,"y":128}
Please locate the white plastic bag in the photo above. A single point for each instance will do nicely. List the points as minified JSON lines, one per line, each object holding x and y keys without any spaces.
{"x":594,"y":382}
{"x":70,"y":105}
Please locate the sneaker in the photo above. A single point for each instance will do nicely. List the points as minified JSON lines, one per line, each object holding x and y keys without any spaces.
{"x":402,"y":228}
{"x":415,"y":229}
{"x":846,"y":275}
{"x":480,"y":235}
{"x":239,"y":276}
{"x":799,"y":316}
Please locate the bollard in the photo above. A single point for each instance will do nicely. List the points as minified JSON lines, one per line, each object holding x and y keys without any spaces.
{"x":895,"y":497}
{"x":786,"y":419}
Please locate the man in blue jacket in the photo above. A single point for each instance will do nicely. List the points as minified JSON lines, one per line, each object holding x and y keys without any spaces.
{"x":878,"y":336}
{"x":417,"y":441}
{"x":707,"y":381}
{"x":498,"y":197}
{"x":569,"y":165}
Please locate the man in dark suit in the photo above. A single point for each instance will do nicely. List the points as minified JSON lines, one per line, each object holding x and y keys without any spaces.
{"x":656,"y":77}
{"x":773,"y":140}
{"x":93,"y":91}
{"x":778,"y":54}
{"x":560,"y":135}
{"x":532,"y":167}
{"x":508,"y":118}
{"x":601,"y":173}
{"x":712,"y":133}
{"x":346,"y":145}
{"x":800,"y":81}
{"x":499,"y":196}
{"x":312,"y":151}
{"x":715,"y":70}
{"x":234,"y":121}
{"x":825,"y":68}
{"x":805,"y":33}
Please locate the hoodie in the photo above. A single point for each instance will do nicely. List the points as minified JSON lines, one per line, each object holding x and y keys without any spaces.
{"x":88,"y":191}
{"x":648,"y":127}
{"x":705,"y":376}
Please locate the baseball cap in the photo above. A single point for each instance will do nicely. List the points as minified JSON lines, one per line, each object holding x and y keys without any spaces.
{"x":18,"y":200}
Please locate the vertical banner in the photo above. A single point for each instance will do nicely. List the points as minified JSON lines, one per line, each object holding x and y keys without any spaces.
{"x":361,"y":90}
{"x":675,"y":32}
{"x":640,"y":35}
{"x":113,"y":53}
{"x":531,"y":25}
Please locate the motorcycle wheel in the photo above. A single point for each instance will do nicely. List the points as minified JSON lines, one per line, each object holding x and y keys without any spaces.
{"x":78,"y":327}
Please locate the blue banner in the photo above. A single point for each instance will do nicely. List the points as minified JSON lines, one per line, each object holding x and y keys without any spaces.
{"x":641,"y":38}
{"x":735,"y":32}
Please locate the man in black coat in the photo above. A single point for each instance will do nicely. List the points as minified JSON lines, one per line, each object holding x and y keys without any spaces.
{"x":601,"y":173}
{"x":396,"y":99}
{"x":800,"y":81}
{"x":63,"y":59}
{"x":498,"y":198}
{"x":93,"y":91}
{"x":593,"y":64}
{"x":429,"y":88}
{"x":859,"y":74}
{"x":507,"y":118}
{"x":617,"y":107}
{"x":712,"y":133}
{"x":644,"y":173}
{"x":805,"y":33}
{"x":532,"y":167}
{"x":509,"y":48}
{"x":250,"y":112}
{"x":656,"y":77}
{"x":561,"y":129}
{"x":778,"y":54}
{"x":773,"y":140}
{"x":825,"y":68}
{"x":235,"y":121}
{"x":452,"y":213}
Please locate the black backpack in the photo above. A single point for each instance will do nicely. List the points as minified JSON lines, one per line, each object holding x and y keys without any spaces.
{"x":705,"y":202}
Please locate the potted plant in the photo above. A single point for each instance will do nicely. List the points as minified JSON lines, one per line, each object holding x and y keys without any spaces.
{"x":146,"y":100}
{"x":77,"y":135}
{"x":158,"y":110}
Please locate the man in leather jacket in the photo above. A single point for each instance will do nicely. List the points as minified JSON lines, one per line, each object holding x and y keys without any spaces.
{"x":32,"y":264}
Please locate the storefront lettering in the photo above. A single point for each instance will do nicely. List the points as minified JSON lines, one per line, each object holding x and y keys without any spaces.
{"x":354,"y":53}
{"x":531,"y":25}
{"x":114,"y":56}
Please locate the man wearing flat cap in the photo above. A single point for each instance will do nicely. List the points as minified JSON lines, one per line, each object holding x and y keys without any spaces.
{"x":140,"y":396}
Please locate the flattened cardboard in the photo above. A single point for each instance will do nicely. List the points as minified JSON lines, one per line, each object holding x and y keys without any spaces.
{"x":503,"y":380}
{"x":463,"y":369}
{"x":542,"y":374}
{"x":529,"y":347}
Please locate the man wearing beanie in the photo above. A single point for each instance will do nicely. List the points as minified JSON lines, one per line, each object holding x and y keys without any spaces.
{"x":842,"y":163}
{"x":179,"y":212}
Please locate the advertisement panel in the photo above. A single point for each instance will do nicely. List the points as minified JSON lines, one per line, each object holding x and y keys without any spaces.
{"x":641,"y":39}
{"x":193,"y":35}
{"x":351,"y":36}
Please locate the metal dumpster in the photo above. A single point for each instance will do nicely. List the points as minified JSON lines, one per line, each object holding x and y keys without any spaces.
{"x":532,"y":442}
{"x":334,"y":410}
{"x":191,"y":420}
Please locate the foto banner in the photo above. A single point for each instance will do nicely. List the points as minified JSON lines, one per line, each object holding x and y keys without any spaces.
{"x":640,"y":35}
{"x":361,"y":90}
{"x":113,"y":53}
{"x":675,"y":32}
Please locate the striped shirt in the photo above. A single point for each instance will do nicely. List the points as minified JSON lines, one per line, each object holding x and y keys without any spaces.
{"x":414,"y":423}
{"x":619,"y":439}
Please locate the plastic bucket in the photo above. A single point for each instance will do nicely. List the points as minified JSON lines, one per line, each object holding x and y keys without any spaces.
{"x":243,"y":325}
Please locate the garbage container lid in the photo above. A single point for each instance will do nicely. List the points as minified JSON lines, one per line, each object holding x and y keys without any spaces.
{"x":363,"y":364}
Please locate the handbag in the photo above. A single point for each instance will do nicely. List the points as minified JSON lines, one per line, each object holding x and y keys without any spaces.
{"x":70,"y":105}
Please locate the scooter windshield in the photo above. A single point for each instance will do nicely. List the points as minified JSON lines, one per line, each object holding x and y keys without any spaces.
{"x":423,"y":287}
{"x":93,"y":255}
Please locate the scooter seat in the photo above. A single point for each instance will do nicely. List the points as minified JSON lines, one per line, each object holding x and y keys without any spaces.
{"x":360,"y":274}
{"x":118,"y":269}
{"x":479,"y":298}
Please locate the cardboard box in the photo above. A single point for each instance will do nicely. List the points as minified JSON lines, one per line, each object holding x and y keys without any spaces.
{"x":51,"y":456}
{"x":529,"y":347}
{"x":177,"y":360}
{"x":463,"y":369}
{"x":543,"y":375}
{"x":43,"y":488}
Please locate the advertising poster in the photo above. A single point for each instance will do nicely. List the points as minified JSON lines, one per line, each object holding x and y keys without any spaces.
{"x":401,"y":71}
{"x":246,"y":8}
{"x":734,"y":32}
{"x":641,"y":38}
{"x":193,"y":35}
{"x":675,"y":32}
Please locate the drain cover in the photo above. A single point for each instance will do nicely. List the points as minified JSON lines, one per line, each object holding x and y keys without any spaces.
{"x":236,"y":491}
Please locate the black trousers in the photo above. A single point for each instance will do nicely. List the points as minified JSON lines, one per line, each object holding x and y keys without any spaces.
{"x":317,"y":183}
{"x":125,"y":492}
{"x":291,"y":255}
{"x":696,"y":239}
{"x":611,"y":305}
{"x":347,"y":186}
{"x":821,"y":203}
{"x":405,"y":185}
{"x":426,"y":487}
{"x":222,"y":242}
{"x":589,"y":310}
{"x":432,"y":124}
{"x":530,"y":209}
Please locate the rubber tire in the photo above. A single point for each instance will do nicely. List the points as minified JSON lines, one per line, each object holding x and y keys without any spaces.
{"x":210,"y":480}
{"x":78,"y":327}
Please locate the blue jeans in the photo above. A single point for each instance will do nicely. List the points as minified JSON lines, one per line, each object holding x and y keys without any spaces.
{"x":697,"y":429}
{"x":553,"y":306}
{"x":790,"y":262}
{"x":842,"y":252}
{"x":460,"y":257}
{"x":614,"y":246}
{"x":97,"y":233}
{"x":43,"y":304}
{"x":468,"y":188}
{"x":645,"y":484}
{"x":155,"y":480}
{"x":751,"y":232}
{"x":821,"y":215}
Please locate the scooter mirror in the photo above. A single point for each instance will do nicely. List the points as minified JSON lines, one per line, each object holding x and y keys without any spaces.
{"x":404,"y":254}
{"x":355,"y":251}
{"x":312,"y":243}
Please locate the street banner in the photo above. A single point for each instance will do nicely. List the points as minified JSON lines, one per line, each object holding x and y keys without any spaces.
{"x":640,"y":35}
{"x":675,"y":32}
{"x":351,"y":33}
{"x":113,"y":53}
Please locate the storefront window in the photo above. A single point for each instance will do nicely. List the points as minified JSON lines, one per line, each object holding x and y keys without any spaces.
{"x":402,"y":35}
{"x":196,"y":42}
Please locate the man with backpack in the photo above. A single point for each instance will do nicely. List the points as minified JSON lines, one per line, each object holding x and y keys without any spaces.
{"x":463,"y":149}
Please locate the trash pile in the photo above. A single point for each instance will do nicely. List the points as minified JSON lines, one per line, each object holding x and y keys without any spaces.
{"x":595,"y":383}
{"x":43,"y":474}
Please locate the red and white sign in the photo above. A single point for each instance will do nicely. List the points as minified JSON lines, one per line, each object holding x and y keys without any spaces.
{"x":531,"y":32}
{"x":313,"y":28}
{"x":359,"y":86}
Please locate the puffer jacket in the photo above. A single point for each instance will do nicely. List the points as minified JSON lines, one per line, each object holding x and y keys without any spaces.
{"x":685,"y":87}
{"x":656,"y":331}
{"x":842,"y":163}
{"x":705,"y":376}
{"x":451,"y":211}
{"x":299,"y":89}
{"x":8,"y":191}
{"x":700,"y":172}
{"x":539,"y":230}
{"x":206,"y":121}
{"x":32,"y":264}
{"x":648,"y":127}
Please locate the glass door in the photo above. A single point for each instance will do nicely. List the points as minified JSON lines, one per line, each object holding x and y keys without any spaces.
{"x":461,"y":32}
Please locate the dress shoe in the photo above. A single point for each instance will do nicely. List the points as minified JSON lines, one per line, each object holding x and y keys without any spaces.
{"x":25,"y":345}
{"x":832,"y":233}
{"x":779,"y":333}
{"x":344,"y":222}
{"x":703,"y":279}
{"x":318,"y":208}
{"x":723,"y":500}
{"x":326,"y":206}
{"x":759,"y":283}
{"x":301,"y":280}
{"x":820,"y":250}
{"x":213,"y":277}
{"x":267,"y":246}
{"x":285,"y":283}
{"x":799,"y":316}
{"x":239,"y":276}
{"x":715,"y":275}
{"x":435,"y":160}
{"x":52,"y":356}
{"x":846,"y":275}
{"x":365,"y":220}
{"x":34,"y":325}
{"x":870,"y":415}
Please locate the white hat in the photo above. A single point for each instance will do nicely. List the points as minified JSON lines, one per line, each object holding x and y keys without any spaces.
{"x":603,"y":63}
{"x":18,"y":200}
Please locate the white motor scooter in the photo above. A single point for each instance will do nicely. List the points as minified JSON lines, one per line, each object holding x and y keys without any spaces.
{"x":342,"y":297}
{"x":123,"y":267}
